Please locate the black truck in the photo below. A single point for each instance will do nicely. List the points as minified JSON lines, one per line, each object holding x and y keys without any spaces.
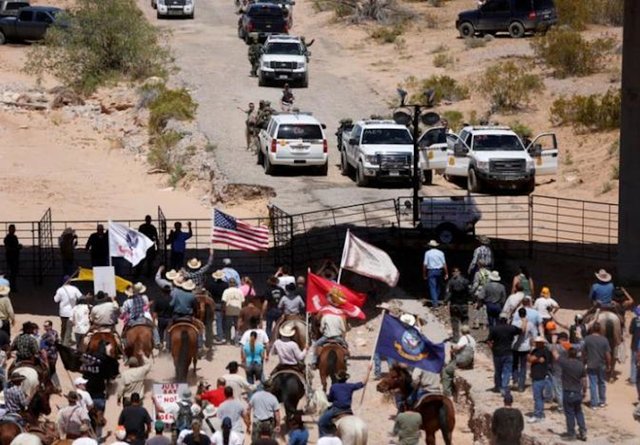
{"x":261,"y":20}
{"x":31,"y":23}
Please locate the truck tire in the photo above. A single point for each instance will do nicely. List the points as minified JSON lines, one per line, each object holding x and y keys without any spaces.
{"x":192,"y":16}
{"x":361,"y":179}
{"x":345,"y":168}
{"x":3,"y":38}
{"x":304,"y":83}
{"x":427,"y":177}
{"x":516,"y":30}
{"x":473,"y":183}
{"x":261,"y":80}
{"x":260,"y":157}
{"x":529,"y":187}
{"x":467,"y":31}
{"x":323,"y":170}
{"x":268,"y":168}
{"x":158,"y":16}
{"x":446,"y":233}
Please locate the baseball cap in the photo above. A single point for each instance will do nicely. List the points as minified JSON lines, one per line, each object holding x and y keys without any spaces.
{"x":79,"y":381}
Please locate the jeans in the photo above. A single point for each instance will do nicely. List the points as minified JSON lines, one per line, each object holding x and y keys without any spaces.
{"x":65,"y":331}
{"x":219,"y":323}
{"x":254,"y":372}
{"x":538,"y":397}
{"x":434,"y":279}
{"x":272,"y":316}
{"x":229,"y":322}
{"x":502,"y":367}
{"x":557,"y":389}
{"x":633,"y":374}
{"x":163,"y":323}
{"x":324,"y":422}
{"x":597,"y":386}
{"x":493,"y":313}
{"x":520,"y":368}
{"x":572,"y":403}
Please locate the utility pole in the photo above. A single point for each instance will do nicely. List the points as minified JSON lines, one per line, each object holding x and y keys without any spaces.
{"x":629,"y":217}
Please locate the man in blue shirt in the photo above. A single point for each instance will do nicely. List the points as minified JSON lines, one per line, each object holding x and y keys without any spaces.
{"x":340,"y":396}
{"x":532,"y":315}
{"x":602,"y":290}
{"x":434,"y":271}
{"x":177,"y":239}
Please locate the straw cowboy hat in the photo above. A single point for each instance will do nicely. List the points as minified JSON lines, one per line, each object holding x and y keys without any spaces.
{"x":433,"y":243}
{"x":218,"y":275}
{"x":188,"y":285}
{"x":603,"y":276}
{"x":409,"y":319}
{"x":494,"y":275}
{"x":139,"y":288}
{"x":194,"y":264}
{"x":4,"y":291}
{"x":287,"y":331}
{"x":171,"y":275}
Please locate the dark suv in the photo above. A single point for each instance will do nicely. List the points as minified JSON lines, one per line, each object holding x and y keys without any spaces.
{"x":516,"y":17}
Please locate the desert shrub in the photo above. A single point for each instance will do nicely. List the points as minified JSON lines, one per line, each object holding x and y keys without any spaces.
{"x":521,"y":130}
{"x":159,"y":155}
{"x":440,"y":49}
{"x":105,"y":41}
{"x":443,"y":60}
{"x":573,"y":13}
{"x":177,"y":173}
{"x":170,"y":104}
{"x":509,"y":86}
{"x":455,"y":119}
{"x":475,"y":42}
{"x":596,"y":112}
{"x":387,"y":34}
{"x":569,"y":54}
{"x":442,"y":87}
{"x":606,"y":12}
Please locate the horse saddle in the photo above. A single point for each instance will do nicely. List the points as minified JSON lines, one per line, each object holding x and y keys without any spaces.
{"x":42,"y":370}
{"x":427,"y":398}
{"x":297,"y":370}
{"x":14,"y":418}
{"x":139,"y":322}
{"x":193,"y":323}
{"x":340,"y":415}
{"x":332,"y":342}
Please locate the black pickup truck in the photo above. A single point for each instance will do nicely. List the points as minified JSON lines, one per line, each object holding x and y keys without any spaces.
{"x":261,"y":20}
{"x":31,"y":23}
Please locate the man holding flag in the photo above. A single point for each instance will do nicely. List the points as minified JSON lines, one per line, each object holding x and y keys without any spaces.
{"x":332,"y":325}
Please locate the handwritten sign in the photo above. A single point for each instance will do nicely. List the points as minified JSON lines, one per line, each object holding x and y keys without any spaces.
{"x":165,"y":393}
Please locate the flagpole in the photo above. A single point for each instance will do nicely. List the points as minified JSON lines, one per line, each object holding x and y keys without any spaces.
{"x":109,"y":239}
{"x":373,"y":353}
{"x":344,"y":250}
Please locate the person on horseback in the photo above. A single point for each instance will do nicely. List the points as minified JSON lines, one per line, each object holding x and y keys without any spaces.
{"x":272,"y":298}
{"x":135,"y":311}
{"x":332,"y":326}
{"x":340,"y":395}
{"x":183,"y":303}
{"x":15,"y":399}
{"x":602,"y":290}
{"x":26,"y":346}
{"x":287,"y":350}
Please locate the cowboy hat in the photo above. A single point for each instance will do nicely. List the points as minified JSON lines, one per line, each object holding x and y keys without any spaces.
{"x":603,"y":276}
{"x":185,"y":395}
{"x":494,"y":275}
{"x":218,"y":275}
{"x":15,"y":376}
{"x":287,"y":331}
{"x":139,"y":288}
{"x":209,"y":411}
{"x":188,"y":285}
{"x":226,"y":261}
{"x":409,"y":319}
{"x":80,"y":381}
{"x":4,"y":290}
{"x":171,"y":275}
{"x":433,"y":243}
{"x":194,"y":264}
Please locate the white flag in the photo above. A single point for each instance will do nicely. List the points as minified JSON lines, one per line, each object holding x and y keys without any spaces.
{"x":127,"y":243}
{"x":364,"y":259}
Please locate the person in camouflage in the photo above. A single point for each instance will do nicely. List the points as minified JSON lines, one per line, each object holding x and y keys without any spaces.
{"x":255,"y":50}
{"x":250,"y":123}
{"x":264,"y":114}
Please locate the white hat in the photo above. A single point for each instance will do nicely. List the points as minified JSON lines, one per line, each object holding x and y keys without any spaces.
{"x":209,"y":411}
{"x":139,"y":288}
{"x":494,"y":275}
{"x":603,"y":276}
{"x":4,"y":290}
{"x":80,"y":381}
{"x":433,"y":243}
{"x":287,"y":331}
{"x":409,"y":319}
{"x":226,"y":261}
{"x":186,"y":395}
{"x":171,"y":275}
{"x":194,"y":263}
{"x":195,"y":410}
{"x":218,"y":275}
{"x":188,"y":285}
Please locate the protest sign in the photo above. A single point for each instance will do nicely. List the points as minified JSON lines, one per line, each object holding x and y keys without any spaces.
{"x":165,"y":393}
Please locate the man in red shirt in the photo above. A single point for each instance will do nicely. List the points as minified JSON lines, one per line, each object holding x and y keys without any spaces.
{"x":215,"y":396}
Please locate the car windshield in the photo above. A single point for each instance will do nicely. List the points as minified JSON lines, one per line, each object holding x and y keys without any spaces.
{"x":264,"y":11}
{"x":300,"y":131}
{"x":390,"y":136}
{"x":289,"y":48}
{"x":497,"y":142}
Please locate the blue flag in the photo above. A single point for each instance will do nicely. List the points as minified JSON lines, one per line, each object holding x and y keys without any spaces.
{"x":404,"y":343}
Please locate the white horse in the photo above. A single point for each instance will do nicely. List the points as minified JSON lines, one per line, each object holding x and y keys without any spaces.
{"x":351,"y":429}
{"x":31,"y":380}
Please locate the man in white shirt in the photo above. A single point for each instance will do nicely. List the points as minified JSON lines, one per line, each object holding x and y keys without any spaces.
{"x":105,"y":311}
{"x":434,"y":271}
{"x":262,"y":338}
{"x":85,"y":398}
{"x":237,"y":382}
{"x":66,"y":297}
{"x":283,"y":277}
{"x":286,"y":349}
{"x":513,"y":302}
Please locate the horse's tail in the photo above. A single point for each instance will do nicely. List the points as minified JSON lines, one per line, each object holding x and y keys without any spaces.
{"x":183,"y":356}
{"x":610,"y":333}
{"x":332,"y":364}
{"x":443,"y":418}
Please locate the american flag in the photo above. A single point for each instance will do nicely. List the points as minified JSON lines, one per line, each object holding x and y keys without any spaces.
{"x":230,"y":231}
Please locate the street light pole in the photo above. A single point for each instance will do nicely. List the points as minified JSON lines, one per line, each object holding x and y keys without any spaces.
{"x":417,"y":109}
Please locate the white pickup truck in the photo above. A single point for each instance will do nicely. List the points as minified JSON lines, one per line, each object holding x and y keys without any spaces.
{"x":433,"y":151}
{"x":377,"y":150}
{"x":493,"y":156}
{"x":285,"y":59}
{"x":449,"y":217}
{"x":165,"y":8}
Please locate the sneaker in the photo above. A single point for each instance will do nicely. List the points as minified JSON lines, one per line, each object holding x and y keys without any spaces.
{"x":534,"y":419}
{"x":602,"y":405}
{"x":594,"y":407}
{"x":568,"y":437}
{"x":582,"y":437}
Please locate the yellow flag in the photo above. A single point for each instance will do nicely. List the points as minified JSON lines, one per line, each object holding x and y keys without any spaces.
{"x":87,"y":275}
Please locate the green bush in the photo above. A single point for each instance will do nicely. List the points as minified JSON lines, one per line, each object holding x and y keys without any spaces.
{"x":521,"y":130}
{"x":573,"y":13}
{"x":443,"y":60}
{"x":170,"y":104}
{"x":105,"y":41}
{"x":509,"y":86}
{"x":596,"y":112}
{"x":455,"y":119}
{"x":159,"y":154}
{"x":443,"y":87}
{"x":569,"y":54}
{"x":387,"y":34}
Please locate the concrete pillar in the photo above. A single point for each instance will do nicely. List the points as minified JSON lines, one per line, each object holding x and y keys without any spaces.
{"x":629,"y":220}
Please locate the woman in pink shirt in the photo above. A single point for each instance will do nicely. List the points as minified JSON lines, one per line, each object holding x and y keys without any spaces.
{"x":247,"y":288}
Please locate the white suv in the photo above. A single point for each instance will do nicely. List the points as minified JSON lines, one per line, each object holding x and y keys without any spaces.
{"x":284,"y":58}
{"x":294,"y":140}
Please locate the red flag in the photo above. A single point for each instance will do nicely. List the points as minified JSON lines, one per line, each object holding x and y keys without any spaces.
{"x":317,"y":290}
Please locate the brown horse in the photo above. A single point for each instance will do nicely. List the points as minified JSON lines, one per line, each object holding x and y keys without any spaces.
{"x":436,"y":410}
{"x":106,"y":340}
{"x":184,"y":348}
{"x":331,"y":360}
{"x":204,"y":310}
{"x":139,"y":341}
{"x":251,"y":310}
{"x":38,"y":405}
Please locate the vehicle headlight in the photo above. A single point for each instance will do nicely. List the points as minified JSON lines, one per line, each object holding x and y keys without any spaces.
{"x":188,"y":2}
{"x":301,"y":65}
{"x":531,"y":165}
{"x":371,"y":159}
{"x":266,"y":64}
{"x":482,"y":165}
